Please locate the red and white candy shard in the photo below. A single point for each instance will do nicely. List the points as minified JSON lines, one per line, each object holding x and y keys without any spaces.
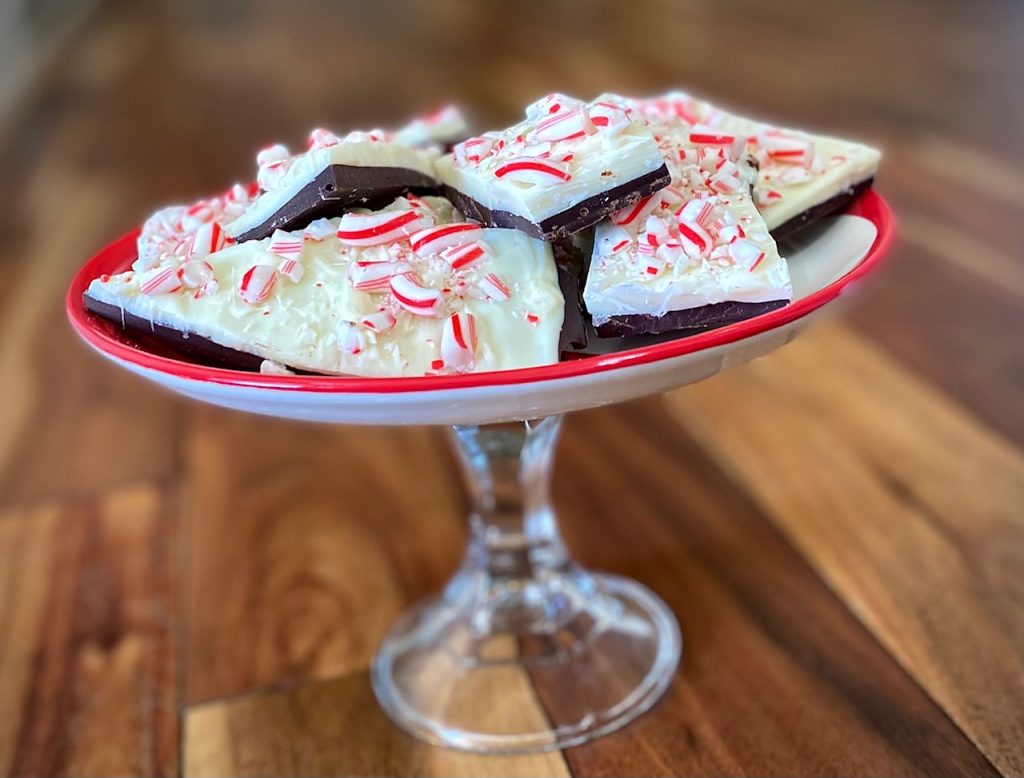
{"x":695,"y":239}
{"x":494,"y":288}
{"x":195,"y":273}
{"x":272,"y":163}
{"x":381,"y":321}
{"x":291,"y":269}
{"x":532,"y":170}
{"x":746,"y":253}
{"x":696,"y":210}
{"x":567,"y":125}
{"x":458,"y":342}
{"x":414,"y":297}
{"x":636,"y":213}
{"x":272,"y":155}
{"x":320,"y":229}
{"x":473,"y":150}
{"x":376,"y":276}
{"x":160,"y":281}
{"x":726,"y":179}
{"x":257,"y":284}
{"x":609,"y":115}
{"x":375,"y":229}
{"x":286,"y":244}
{"x":730,"y":233}
{"x":731,"y":143}
{"x":322,"y":139}
{"x":350,"y":339}
{"x":466,"y":255}
{"x":209,"y":238}
{"x":783,"y":148}
{"x":551,"y":104}
{"x":433,"y":239}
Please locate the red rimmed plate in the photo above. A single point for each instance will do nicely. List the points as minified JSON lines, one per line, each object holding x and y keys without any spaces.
{"x":826,"y":262}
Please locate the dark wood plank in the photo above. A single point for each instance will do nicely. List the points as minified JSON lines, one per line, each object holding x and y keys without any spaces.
{"x":305,"y":542}
{"x":89,"y":656}
{"x":777,"y":677}
{"x":907,"y":507}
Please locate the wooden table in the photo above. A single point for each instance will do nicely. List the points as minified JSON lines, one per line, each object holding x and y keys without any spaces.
{"x":839,"y":527}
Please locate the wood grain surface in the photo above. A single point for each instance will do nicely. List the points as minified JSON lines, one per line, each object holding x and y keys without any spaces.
{"x":839,"y":527}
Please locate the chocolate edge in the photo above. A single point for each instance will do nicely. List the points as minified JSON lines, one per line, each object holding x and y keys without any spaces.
{"x":196,"y":347}
{"x":689,"y":320}
{"x":583,"y":214}
{"x":574,"y":330}
{"x":338,"y":188}
{"x":833,"y":205}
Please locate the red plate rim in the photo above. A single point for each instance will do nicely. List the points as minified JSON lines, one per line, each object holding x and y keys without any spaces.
{"x":90,"y":327}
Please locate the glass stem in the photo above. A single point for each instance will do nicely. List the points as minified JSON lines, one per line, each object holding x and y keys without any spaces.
{"x":507,"y":470}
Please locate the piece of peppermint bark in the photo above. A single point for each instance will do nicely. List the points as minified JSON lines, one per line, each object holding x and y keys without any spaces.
{"x":561,"y":170}
{"x":802,"y":176}
{"x":692,"y":256}
{"x":335,"y":174}
{"x":407,"y":290}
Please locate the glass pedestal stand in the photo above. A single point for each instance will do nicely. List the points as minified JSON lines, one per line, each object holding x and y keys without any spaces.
{"x":524,"y":650}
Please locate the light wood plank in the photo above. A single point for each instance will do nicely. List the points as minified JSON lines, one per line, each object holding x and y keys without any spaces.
{"x":306,"y":542}
{"x":335,"y":727}
{"x":87,"y":660}
{"x":964,"y":251}
{"x":906,"y":505}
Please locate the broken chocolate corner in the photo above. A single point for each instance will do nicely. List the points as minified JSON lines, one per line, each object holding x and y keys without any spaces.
{"x":338,"y":188}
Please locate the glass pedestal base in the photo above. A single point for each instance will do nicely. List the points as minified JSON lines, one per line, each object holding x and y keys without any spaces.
{"x":552,"y":665}
{"x":524,"y":650}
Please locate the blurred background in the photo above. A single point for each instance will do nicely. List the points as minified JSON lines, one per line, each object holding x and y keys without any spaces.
{"x":839,"y":526}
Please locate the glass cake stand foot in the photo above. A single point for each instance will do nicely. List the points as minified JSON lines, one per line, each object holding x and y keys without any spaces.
{"x":524,"y":650}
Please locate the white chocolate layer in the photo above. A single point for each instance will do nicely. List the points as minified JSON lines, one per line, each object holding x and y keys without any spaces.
{"x":315,"y":324}
{"x":610,"y":155}
{"x":647,"y":265}
{"x":784,"y":189}
{"x":358,"y":149}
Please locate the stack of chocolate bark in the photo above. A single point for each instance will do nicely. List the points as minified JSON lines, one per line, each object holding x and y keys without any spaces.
{"x":378,"y":254}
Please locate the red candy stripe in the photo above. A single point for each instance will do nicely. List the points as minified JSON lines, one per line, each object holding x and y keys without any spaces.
{"x":376,"y":276}
{"x":630,"y":215}
{"x":381,"y":321}
{"x":494,"y":288}
{"x":161,"y":282}
{"x":458,"y":341}
{"x":567,"y":125}
{"x":463,"y":256}
{"x":433,"y":239}
{"x":377,"y":228}
{"x":696,"y":235}
{"x":257,"y":284}
{"x":209,"y":238}
{"x":286,"y":245}
{"x":415,"y":297}
{"x":532,"y":170}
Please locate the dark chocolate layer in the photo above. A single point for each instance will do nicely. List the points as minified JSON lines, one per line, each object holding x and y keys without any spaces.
{"x":572,"y":220}
{"x":338,"y":188}
{"x":158,"y":337}
{"x":686,"y":322}
{"x":574,"y":331}
{"x":827,"y":208}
